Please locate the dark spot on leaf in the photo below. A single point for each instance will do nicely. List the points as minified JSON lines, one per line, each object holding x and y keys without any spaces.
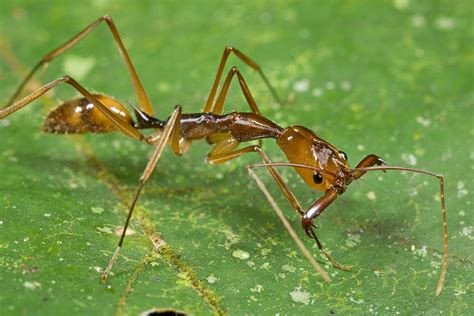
{"x":32,"y":269}
{"x":164,"y":312}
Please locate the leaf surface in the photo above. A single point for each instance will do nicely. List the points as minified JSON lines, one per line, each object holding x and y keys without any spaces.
{"x":390,"y":78}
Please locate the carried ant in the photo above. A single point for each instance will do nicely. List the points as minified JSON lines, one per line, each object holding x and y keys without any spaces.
{"x":322,"y":166}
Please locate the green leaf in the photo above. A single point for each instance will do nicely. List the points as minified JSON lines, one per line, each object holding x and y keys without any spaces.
{"x":390,"y":78}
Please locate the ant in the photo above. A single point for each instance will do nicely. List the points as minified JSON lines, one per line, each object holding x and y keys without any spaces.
{"x":321,"y":165}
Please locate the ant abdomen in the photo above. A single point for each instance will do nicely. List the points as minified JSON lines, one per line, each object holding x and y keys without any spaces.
{"x":77,"y":116}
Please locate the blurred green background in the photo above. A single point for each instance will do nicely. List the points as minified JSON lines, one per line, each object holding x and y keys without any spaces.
{"x":394,"y":78}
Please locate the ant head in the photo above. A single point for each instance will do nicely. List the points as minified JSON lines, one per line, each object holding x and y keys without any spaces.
{"x":302,"y":146}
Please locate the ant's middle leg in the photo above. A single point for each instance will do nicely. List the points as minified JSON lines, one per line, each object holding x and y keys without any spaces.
{"x":227,"y":50}
{"x":166,"y":135}
{"x":219,"y":105}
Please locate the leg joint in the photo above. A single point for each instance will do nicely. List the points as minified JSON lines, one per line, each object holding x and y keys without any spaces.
{"x":259,"y":150}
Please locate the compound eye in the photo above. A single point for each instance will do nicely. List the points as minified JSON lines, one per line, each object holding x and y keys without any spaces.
{"x":317,"y":178}
{"x":343,"y":155}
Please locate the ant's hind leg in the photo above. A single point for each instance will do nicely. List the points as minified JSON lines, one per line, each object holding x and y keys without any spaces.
{"x":142,"y":97}
{"x":122,"y":125}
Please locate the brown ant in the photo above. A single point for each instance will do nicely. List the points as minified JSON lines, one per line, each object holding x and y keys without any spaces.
{"x":321,"y":165}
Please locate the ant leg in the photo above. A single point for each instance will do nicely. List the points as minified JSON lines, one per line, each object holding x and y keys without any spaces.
{"x":179,"y":145}
{"x":288,"y":227}
{"x":229,"y":49}
{"x":307,"y":222}
{"x":222,"y":157}
{"x":219,"y":105}
{"x":224,"y":143}
{"x":166,"y":135}
{"x":444,"y":265}
{"x":121,"y":125}
{"x":142,"y":97}
{"x":219,"y":157}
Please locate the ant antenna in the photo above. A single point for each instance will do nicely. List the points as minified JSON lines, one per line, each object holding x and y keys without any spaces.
{"x":444,"y":266}
{"x":290,"y":164}
{"x":442,"y":277}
